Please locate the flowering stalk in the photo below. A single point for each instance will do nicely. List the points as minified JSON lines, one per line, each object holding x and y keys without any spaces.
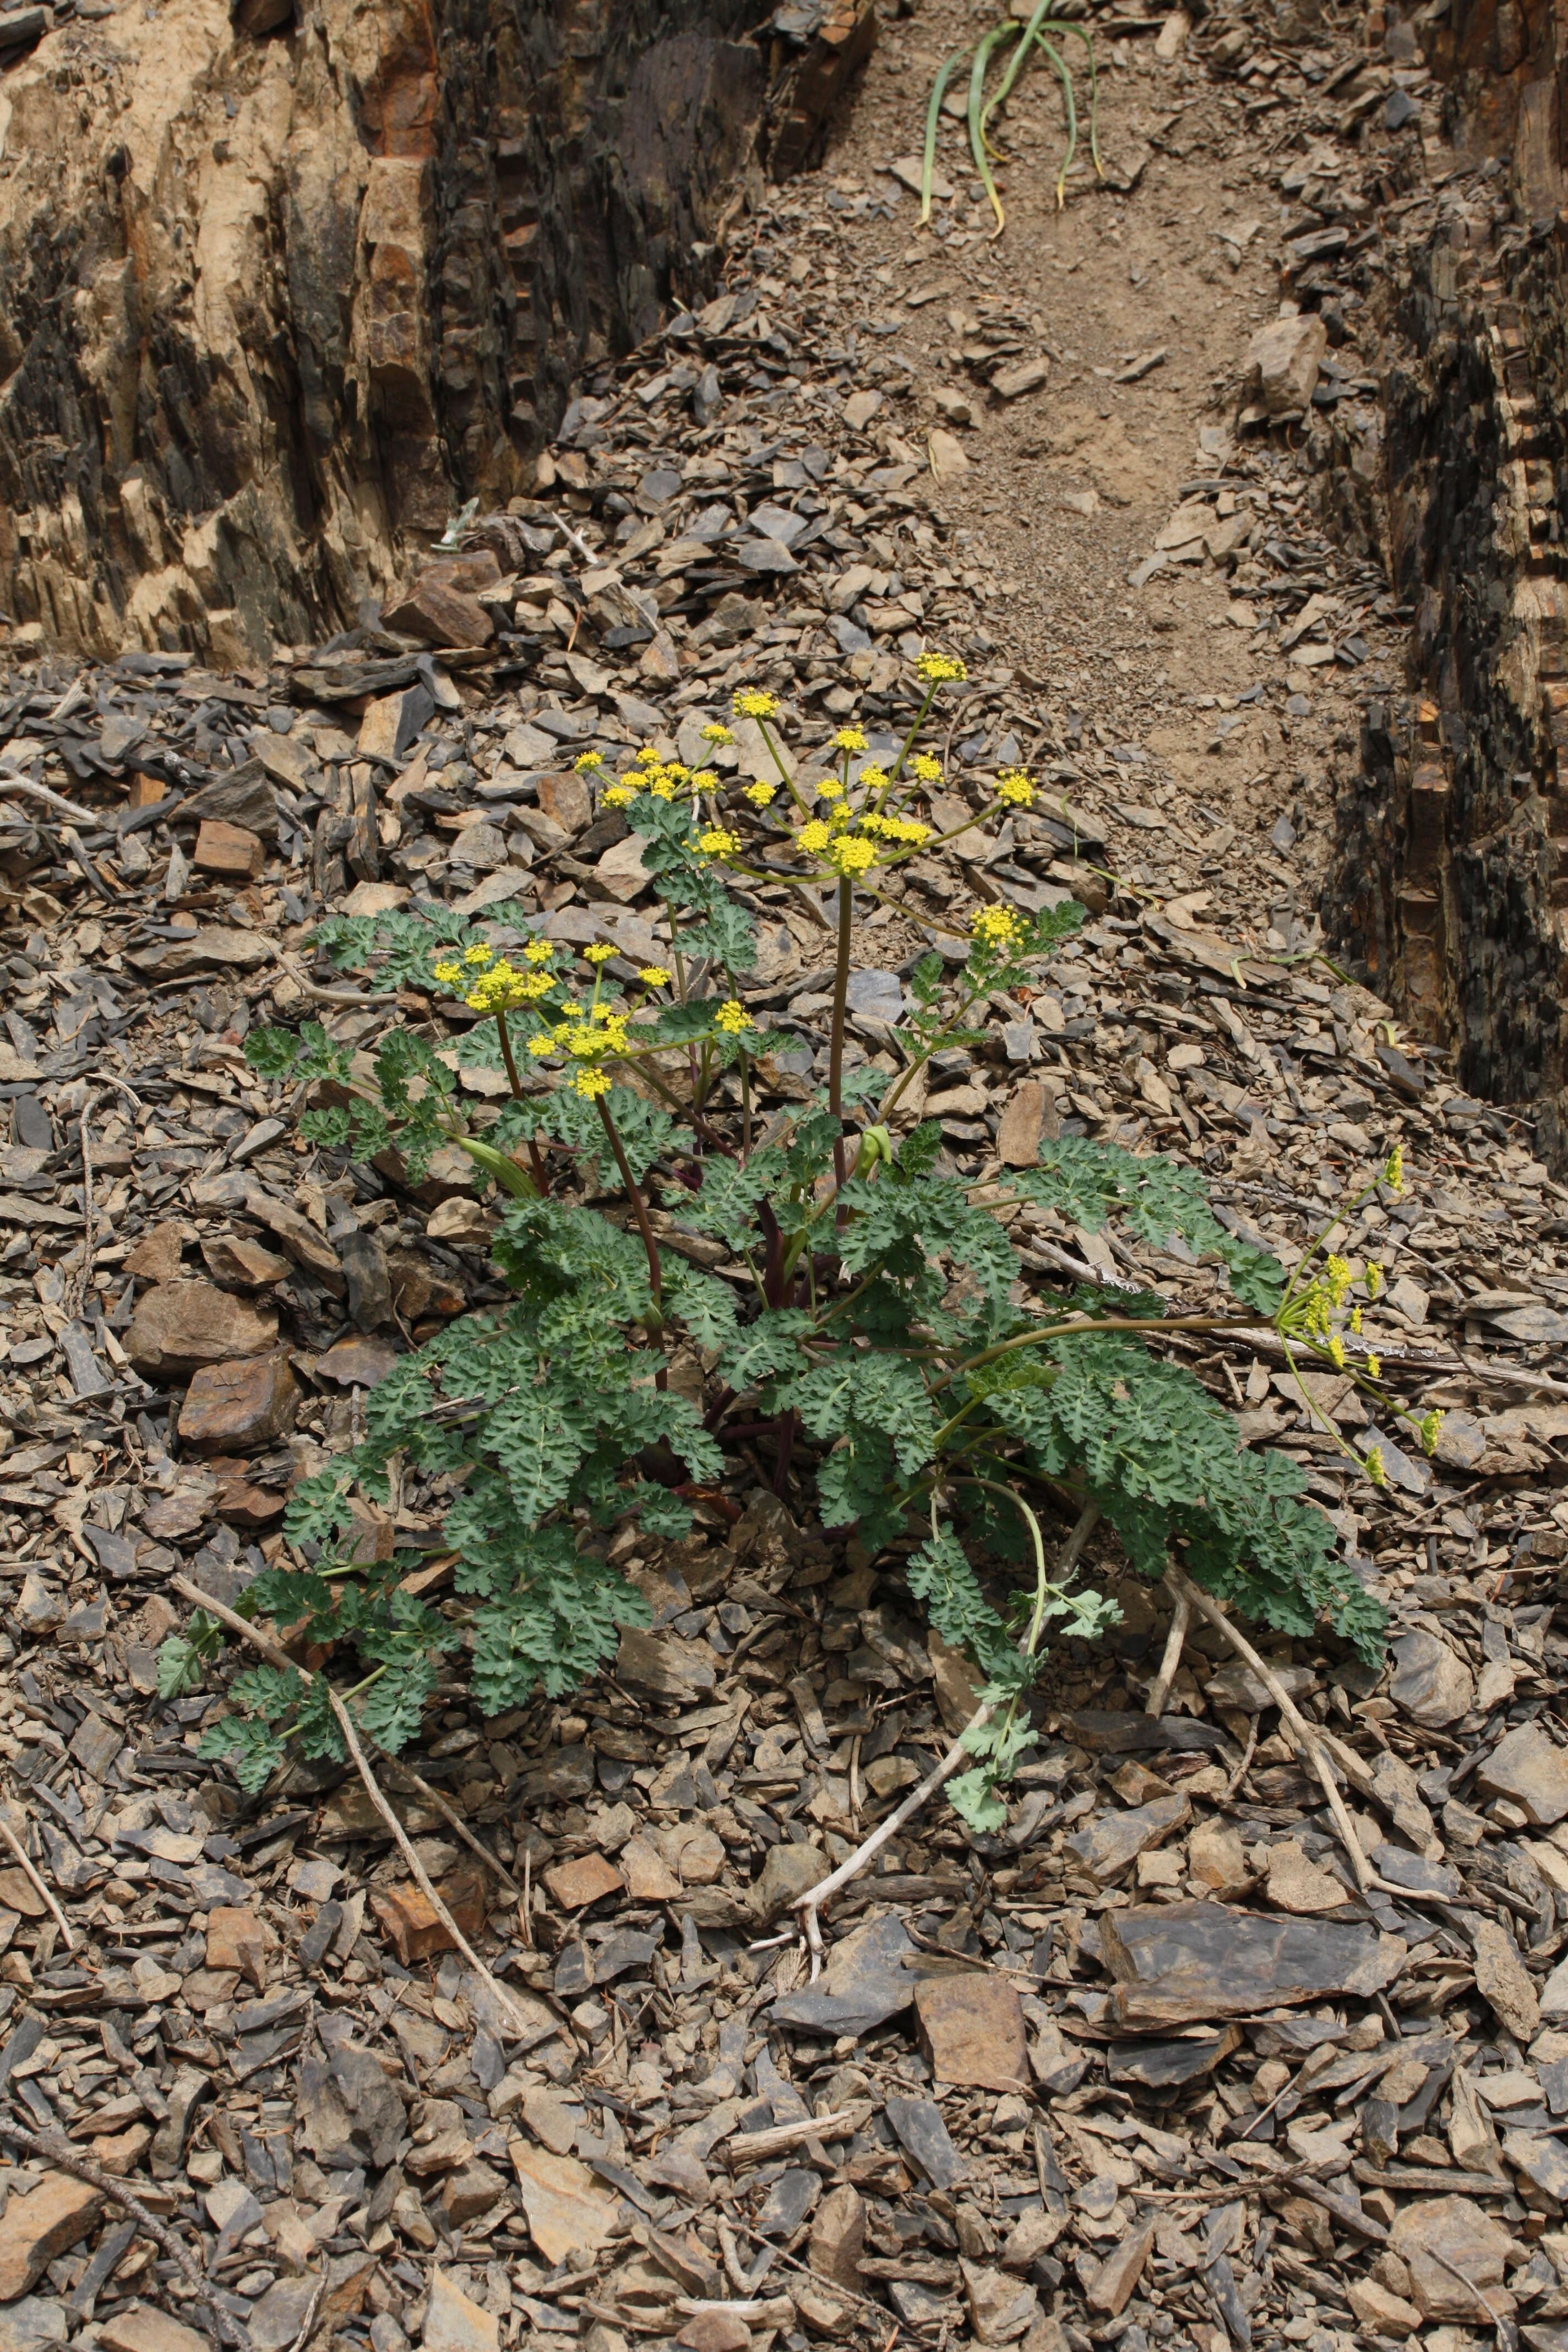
{"x":835,"y":1047}
{"x":655,"y":1321}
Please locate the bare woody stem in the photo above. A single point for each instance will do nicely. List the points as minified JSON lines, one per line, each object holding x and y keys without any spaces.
{"x":639,"y":1210}
{"x":506,"y":1055}
{"x":836,"y":1049}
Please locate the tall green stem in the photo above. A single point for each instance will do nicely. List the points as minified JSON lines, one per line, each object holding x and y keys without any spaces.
{"x":835,"y":1048}
{"x":514,"y":1081}
{"x":639,"y":1210}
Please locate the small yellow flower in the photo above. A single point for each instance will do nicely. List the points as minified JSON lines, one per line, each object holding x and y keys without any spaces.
{"x":1013,"y":788}
{"x":996,"y":927}
{"x":1393,"y":1169}
{"x":1355,"y":1320}
{"x":480,"y":954}
{"x":616,"y":796}
{"x":1336,"y":1352}
{"x":761,"y":795}
{"x":648,"y":756}
{"x":830,"y":789}
{"x":1338,"y":1271}
{"x":449,"y":973}
{"x":850,"y":739}
{"x":705,"y":779}
{"x":908,"y":830}
{"x":751,"y":702}
{"x":654,"y":975}
{"x":852,"y":854}
{"x":814,"y":837}
{"x":872,"y":778}
{"x":940,"y":669}
{"x":716,"y":732}
{"x":1374,"y":1368}
{"x":927,"y":769}
{"x":717,"y":842}
{"x":1374,"y":1277}
{"x":1376,"y":1469}
{"x":733,"y":1017}
{"x":1429,"y":1428}
{"x":538,"y":952}
{"x":600,"y":953}
{"x":591,"y":1084}
{"x":544,"y":1043}
{"x":587,"y":760}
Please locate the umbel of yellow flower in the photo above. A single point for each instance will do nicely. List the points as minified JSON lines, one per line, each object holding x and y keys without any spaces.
{"x":814,"y":837}
{"x":927,"y":771}
{"x":940,"y":669}
{"x":1013,"y":788}
{"x":996,"y":927}
{"x":852,"y":854}
{"x":850,"y":739}
{"x":717,"y":842}
{"x":733,"y":1017}
{"x":761,"y":795}
{"x":601,"y":952}
{"x":751,"y":702}
{"x":654,"y":975}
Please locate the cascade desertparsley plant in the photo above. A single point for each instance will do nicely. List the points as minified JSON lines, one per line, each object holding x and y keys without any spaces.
{"x":876,"y":1335}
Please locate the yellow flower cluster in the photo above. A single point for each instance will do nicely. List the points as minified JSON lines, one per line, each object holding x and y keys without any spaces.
{"x":1013,"y":788}
{"x":940,"y":669}
{"x":654,"y":975}
{"x":1429,"y":1426}
{"x":600,"y":953}
{"x":908,"y":831}
{"x":718,"y":842}
{"x":733,"y":1017}
{"x":591,"y":1038}
{"x":851,"y":854}
{"x":926,"y":770}
{"x":716,"y":732}
{"x":1393,"y":1169}
{"x":997,"y":926}
{"x":814,"y":836}
{"x":751,"y":702}
{"x":761,"y":795}
{"x":616,"y":796}
{"x":503,"y":987}
{"x":850,"y":739}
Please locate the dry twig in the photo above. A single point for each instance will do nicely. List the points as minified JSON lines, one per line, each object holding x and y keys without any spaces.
{"x":20,"y":1850}
{"x":81,"y":2167}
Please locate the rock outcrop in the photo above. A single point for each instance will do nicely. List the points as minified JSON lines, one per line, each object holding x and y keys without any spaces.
{"x":1451,"y":888}
{"x":280,"y":293}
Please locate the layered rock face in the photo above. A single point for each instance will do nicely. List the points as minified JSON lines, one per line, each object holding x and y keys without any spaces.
{"x":278,"y":297}
{"x":1452,"y":885}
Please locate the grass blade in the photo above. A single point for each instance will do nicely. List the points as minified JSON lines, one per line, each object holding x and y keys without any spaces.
{"x":928,"y":163}
{"x":983,"y":56}
{"x":1067,"y":99}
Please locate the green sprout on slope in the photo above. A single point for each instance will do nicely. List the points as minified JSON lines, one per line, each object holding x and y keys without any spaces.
{"x":1028,"y":38}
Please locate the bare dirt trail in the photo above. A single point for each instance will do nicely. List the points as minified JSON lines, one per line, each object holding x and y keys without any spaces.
{"x":1142,"y":294}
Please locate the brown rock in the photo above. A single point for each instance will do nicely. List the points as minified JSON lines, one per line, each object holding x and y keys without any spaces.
{"x":838,"y":2237}
{"x":392,"y":723}
{"x":228,"y":849}
{"x":305,"y":1243}
{"x":468,"y":2192}
{"x":159,"y":1255}
{"x":1217,"y":1860}
{"x":1460,"y":2229}
{"x":715,"y":2331}
{"x":238,"y":1940}
{"x":141,"y":2329}
{"x":1381,"y":2313}
{"x":564,"y":2204}
{"x":1114,"y":1841}
{"x":1531,"y":1771}
{"x":118,"y":2153}
{"x":440,"y":612}
{"x":574,"y":1884}
{"x":453,"y":2324}
{"x":35,"y":2228}
{"x":1000,"y":2308}
{"x":17,"y":1893}
{"x":564,"y":800}
{"x":232,"y":1408}
{"x":179,"y":1326}
{"x":1294,"y":1884}
{"x":1503,"y":1982}
{"x":1022,"y":1122}
{"x":972,"y":2032}
{"x":1429,"y":1682}
{"x":239,"y":1262}
{"x":620,"y":873}
{"x":1120,"y":2273}
{"x":413,"y":1926}
{"x":649,"y":1877}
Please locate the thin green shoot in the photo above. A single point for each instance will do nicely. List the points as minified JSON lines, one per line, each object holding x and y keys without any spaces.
{"x":928,"y":163}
